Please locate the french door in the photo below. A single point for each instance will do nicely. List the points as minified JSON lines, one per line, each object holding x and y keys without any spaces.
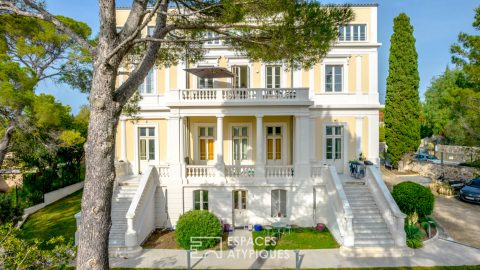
{"x":240,"y":145}
{"x":274,"y":145}
{"x":240,"y":214}
{"x":146,"y":147}
{"x":334,"y":152}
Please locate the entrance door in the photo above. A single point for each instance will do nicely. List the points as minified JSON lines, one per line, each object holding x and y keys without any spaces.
{"x":274,"y":145}
{"x":334,"y":146}
{"x":146,"y":148}
{"x":240,"y":215}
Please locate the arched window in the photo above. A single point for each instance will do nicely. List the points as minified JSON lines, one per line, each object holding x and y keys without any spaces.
{"x":200,"y":199}
{"x":279,"y":203}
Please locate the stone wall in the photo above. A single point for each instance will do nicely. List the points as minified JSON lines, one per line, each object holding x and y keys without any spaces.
{"x":429,"y":169}
{"x":458,"y":153}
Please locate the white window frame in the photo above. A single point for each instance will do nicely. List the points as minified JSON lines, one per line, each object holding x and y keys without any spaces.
{"x":150,"y":28}
{"x":344,"y":143}
{"x":281,"y":83}
{"x":136,"y":158}
{"x":154,"y":83}
{"x":248,"y":74}
{"x":351,"y":26}
{"x":284,"y":140}
{"x":201,"y":191}
{"x":279,"y":203}
{"x":338,"y":62}
{"x":334,"y":81}
{"x":197,"y":84}
{"x":249,"y":160}
{"x":196,"y":143}
{"x":211,"y":34}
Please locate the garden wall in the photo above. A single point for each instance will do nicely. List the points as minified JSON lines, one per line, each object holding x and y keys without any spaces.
{"x":458,"y":153}
{"x":429,"y":169}
{"x":54,"y":196}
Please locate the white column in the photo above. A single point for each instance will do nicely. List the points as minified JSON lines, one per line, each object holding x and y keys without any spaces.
{"x":219,"y":148}
{"x":181,"y":138}
{"x":174,"y":155}
{"x":313,"y":138}
{"x":260,"y":159}
{"x":301,"y":148}
{"x":358,"y":79}
{"x":358,"y":136}
{"x":372,"y":141}
{"x":123,"y":142}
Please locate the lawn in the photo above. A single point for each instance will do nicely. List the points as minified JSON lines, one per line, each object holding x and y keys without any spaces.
{"x":299,"y":238}
{"x":57,"y":219}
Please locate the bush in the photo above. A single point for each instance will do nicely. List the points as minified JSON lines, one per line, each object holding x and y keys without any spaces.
{"x":412,"y":197}
{"x":8,"y":211}
{"x":414,"y":236}
{"x":198,"y":223}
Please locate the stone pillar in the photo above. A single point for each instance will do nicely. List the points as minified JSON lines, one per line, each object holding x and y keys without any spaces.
{"x":174,"y":149}
{"x":123,"y":138}
{"x":219,"y":148}
{"x":313,"y":137}
{"x":260,"y":159}
{"x":301,"y":147}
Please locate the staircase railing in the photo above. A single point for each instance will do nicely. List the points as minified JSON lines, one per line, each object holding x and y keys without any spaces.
{"x":394,"y":218}
{"x":342,"y":212}
{"x":141,"y":213}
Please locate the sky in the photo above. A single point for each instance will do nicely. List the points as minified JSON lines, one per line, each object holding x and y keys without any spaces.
{"x":436,"y":23}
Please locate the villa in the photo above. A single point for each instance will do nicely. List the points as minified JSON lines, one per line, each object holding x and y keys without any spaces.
{"x":256,"y":143}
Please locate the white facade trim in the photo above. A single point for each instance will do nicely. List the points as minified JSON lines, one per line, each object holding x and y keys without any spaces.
{"x":335,"y":61}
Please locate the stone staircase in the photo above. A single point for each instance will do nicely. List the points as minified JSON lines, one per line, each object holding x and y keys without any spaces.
{"x":369,"y":227}
{"x":122,"y":198}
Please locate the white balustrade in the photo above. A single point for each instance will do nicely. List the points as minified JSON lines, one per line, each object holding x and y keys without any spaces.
{"x":279,"y":171}
{"x":243,"y":94}
{"x":200,"y":171}
{"x":241,"y":171}
{"x":316,"y":171}
{"x":163,"y":171}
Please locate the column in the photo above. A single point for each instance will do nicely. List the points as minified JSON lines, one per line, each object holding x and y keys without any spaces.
{"x":174,"y":154}
{"x":123,"y":142}
{"x":181,"y":137}
{"x":260,"y":159}
{"x":358,"y":136}
{"x":313,"y":136}
{"x":219,"y":148}
{"x":358,"y":69}
{"x":301,"y":147}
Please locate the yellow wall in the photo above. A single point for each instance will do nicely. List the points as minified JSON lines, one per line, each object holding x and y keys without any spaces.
{"x":365,"y":137}
{"x":363,"y":15}
{"x":130,"y":133}
{"x":257,"y":80}
{"x":227,"y":154}
{"x":365,"y":73}
{"x":320,"y":140}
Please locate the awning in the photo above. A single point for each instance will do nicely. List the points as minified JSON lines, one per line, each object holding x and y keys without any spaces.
{"x":210,"y":72}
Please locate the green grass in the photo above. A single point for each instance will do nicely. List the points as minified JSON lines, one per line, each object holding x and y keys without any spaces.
{"x":57,"y":219}
{"x":299,"y":238}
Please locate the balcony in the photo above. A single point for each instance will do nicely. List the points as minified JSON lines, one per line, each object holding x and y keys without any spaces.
{"x":240,"y":96}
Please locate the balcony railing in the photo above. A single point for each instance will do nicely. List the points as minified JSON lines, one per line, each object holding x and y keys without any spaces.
{"x":241,"y":171}
{"x":200,"y":171}
{"x":282,"y":171}
{"x":241,"y":95}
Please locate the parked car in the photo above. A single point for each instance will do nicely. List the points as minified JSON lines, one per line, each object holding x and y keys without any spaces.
{"x":471,"y":191}
{"x":426,"y":157}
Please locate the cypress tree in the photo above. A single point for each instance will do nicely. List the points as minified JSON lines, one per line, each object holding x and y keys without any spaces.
{"x":402,"y":105}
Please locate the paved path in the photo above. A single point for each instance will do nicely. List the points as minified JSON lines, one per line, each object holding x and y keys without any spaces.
{"x":460,"y":220}
{"x":439,"y":252}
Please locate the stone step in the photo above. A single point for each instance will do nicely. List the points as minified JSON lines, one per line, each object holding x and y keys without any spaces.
{"x":366,"y":220}
{"x":360,"y":198}
{"x":362,"y":203}
{"x":380,"y":230}
{"x":371,"y":225}
{"x":373,"y":242}
{"x":369,"y":236}
{"x":365,"y":211}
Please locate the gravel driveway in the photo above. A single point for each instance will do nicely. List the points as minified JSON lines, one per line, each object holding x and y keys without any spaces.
{"x":460,"y":220}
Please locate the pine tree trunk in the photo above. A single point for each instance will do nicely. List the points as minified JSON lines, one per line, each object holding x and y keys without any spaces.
{"x":5,"y":141}
{"x":95,"y":220}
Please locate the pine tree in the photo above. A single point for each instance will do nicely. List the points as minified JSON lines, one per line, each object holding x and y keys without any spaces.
{"x":402,"y":106}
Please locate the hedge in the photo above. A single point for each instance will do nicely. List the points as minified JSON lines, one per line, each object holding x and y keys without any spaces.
{"x":198,"y":223}
{"x":412,"y":197}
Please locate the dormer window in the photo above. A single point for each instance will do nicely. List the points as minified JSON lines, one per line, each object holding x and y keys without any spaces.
{"x":352,"y":32}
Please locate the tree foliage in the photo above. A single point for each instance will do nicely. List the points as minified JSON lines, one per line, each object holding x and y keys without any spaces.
{"x":20,"y":254}
{"x":402,"y":105}
{"x":452,"y":102}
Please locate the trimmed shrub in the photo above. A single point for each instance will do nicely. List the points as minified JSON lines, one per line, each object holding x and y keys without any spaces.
{"x":412,"y":197}
{"x":198,"y":223}
{"x":414,"y":236}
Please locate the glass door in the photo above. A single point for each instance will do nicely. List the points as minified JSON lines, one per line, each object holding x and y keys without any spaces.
{"x":334,"y":146}
{"x":146,"y":147}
